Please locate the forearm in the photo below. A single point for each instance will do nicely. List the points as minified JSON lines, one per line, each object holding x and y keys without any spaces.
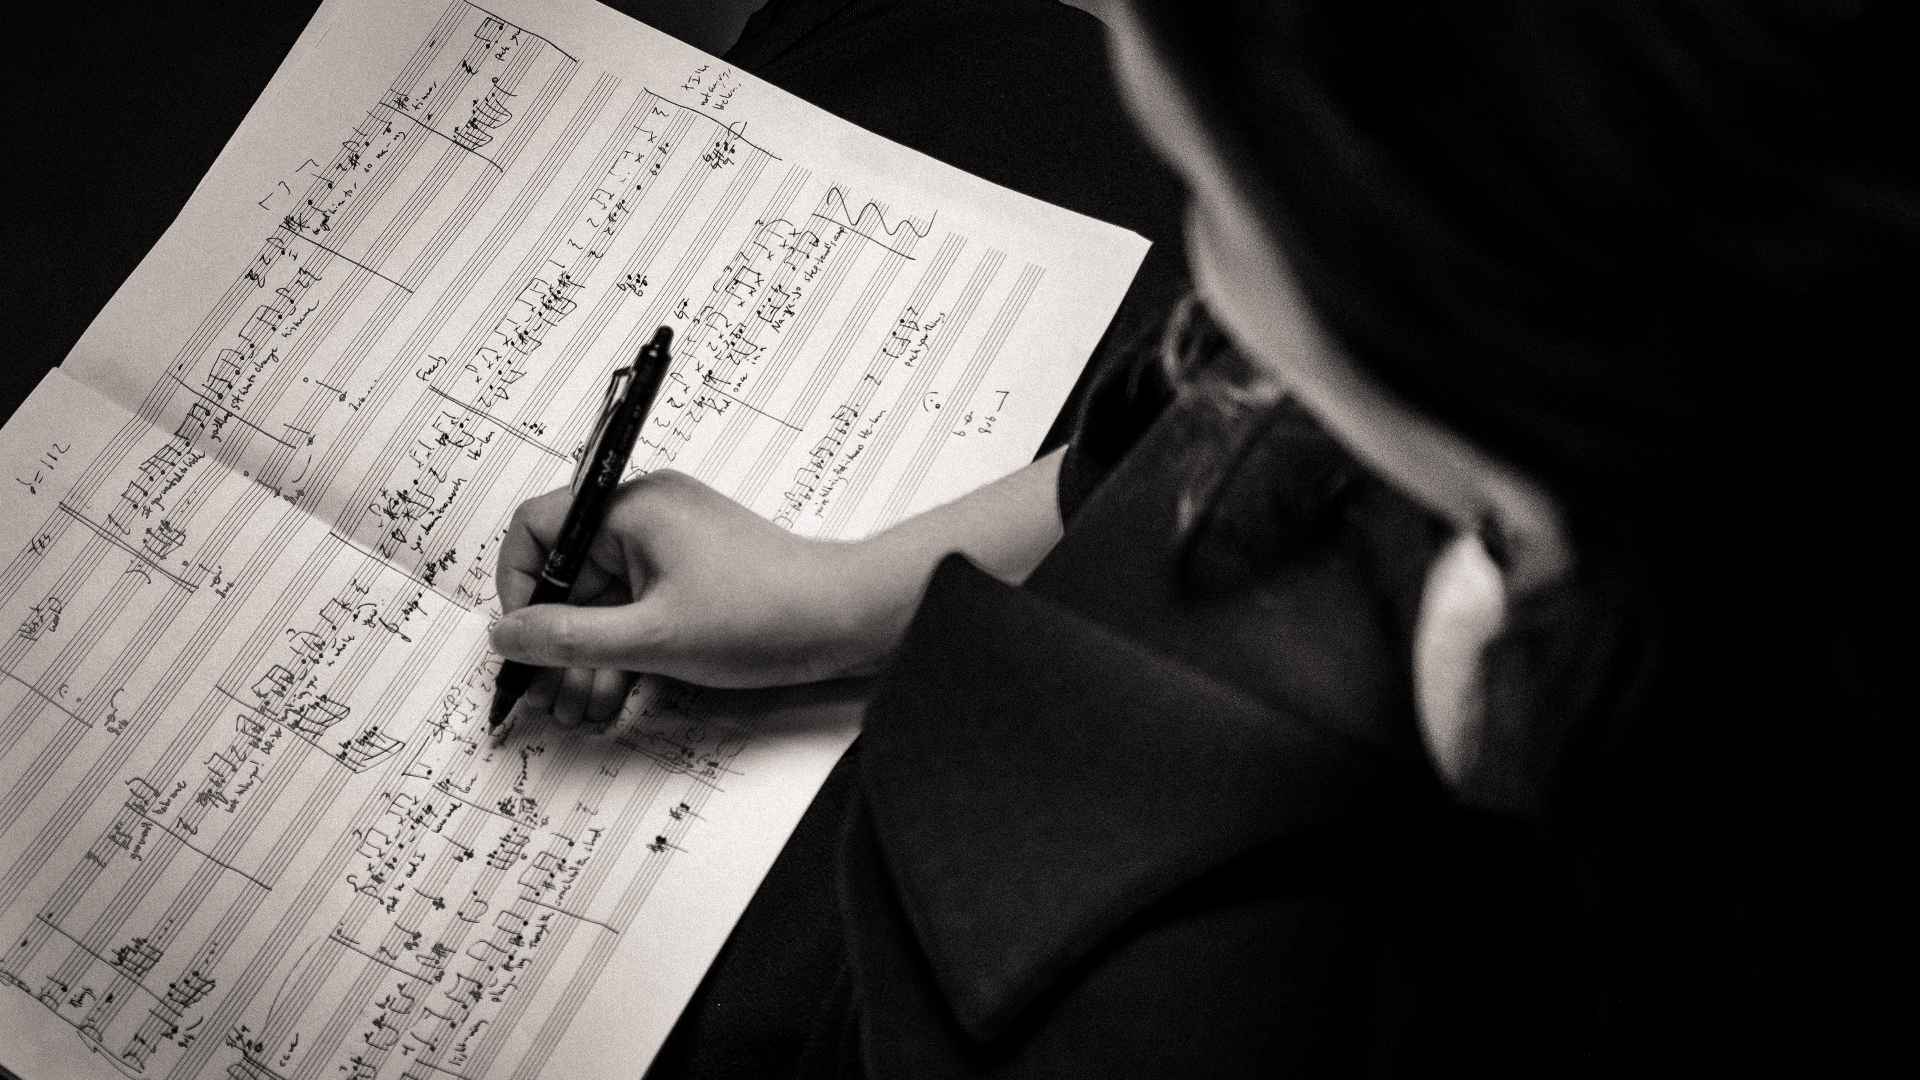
{"x":1006,"y":528}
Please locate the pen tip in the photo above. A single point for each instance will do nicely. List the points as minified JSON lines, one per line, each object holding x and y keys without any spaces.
{"x":497,"y":715}
{"x":662,"y":338}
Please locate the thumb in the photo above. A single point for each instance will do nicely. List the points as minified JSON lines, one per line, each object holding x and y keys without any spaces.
{"x":565,"y":636}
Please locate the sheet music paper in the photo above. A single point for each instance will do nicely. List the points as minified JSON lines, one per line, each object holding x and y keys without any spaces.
{"x":251,"y":825}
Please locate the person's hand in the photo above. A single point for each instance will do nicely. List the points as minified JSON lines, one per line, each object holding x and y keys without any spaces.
{"x":682,"y":581}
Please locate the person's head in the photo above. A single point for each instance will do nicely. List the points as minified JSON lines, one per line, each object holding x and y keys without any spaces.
{"x":1622,"y":284}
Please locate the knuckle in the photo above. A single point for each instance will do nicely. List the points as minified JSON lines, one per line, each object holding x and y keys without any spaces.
{"x":669,"y":484}
{"x":523,"y":514}
{"x":653,"y":487}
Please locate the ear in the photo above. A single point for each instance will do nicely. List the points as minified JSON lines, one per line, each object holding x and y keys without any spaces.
{"x":1462,"y":608}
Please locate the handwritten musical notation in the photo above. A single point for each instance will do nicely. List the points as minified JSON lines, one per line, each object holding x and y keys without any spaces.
{"x":251,"y":821}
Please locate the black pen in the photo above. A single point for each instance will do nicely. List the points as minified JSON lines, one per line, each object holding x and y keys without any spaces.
{"x":629,"y":398}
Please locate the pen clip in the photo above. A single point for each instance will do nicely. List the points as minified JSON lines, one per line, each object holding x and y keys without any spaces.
{"x":616,"y":395}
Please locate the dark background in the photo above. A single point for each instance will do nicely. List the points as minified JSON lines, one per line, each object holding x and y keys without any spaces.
{"x":121,"y":108}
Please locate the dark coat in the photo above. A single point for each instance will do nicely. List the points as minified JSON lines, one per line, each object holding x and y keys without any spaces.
{"x":1123,"y":822}
{"x":1118,"y":825}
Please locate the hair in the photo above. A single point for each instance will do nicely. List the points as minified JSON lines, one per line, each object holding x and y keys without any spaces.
{"x":1658,"y":256}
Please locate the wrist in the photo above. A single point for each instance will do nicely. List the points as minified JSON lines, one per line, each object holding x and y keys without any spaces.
{"x":877,"y":587}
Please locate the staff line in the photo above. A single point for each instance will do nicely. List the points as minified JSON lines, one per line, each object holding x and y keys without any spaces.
{"x":210,"y":858}
{"x":103,"y":534}
{"x":424,"y":126}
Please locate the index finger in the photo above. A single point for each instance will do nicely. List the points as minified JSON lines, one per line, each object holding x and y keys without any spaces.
{"x":523,"y":551}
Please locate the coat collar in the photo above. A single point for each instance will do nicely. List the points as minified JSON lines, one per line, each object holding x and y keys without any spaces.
{"x":1030,"y":795}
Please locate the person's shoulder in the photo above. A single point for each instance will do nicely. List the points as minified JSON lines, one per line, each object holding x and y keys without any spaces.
{"x":1060,"y":821}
